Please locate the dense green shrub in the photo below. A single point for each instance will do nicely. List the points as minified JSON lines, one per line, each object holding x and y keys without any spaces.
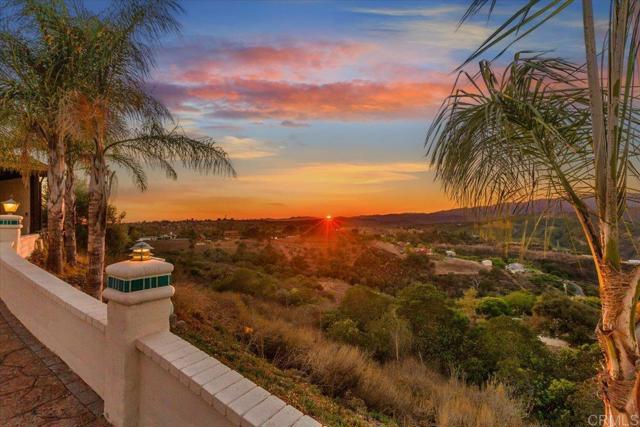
{"x":498,"y":263}
{"x":566,"y":318}
{"x":388,"y":337}
{"x":364,"y":305}
{"x":369,"y":319}
{"x":248,"y":281}
{"x":438,"y":328}
{"x":505,"y":347}
{"x":544,"y":282}
{"x":417,"y":267}
{"x":345,"y":330}
{"x":377,"y":268}
{"x":520,"y":302}
{"x":495,"y":281}
{"x":493,"y":307}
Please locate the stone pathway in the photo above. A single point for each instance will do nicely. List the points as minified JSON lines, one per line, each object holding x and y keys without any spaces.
{"x":36,"y":387}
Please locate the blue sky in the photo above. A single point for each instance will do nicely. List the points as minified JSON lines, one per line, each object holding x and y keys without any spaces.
{"x":322,"y":105}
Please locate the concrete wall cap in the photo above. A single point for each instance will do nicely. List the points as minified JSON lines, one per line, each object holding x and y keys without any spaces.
{"x":127,"y":270}
{"x":138,"y":297}
{"x":10,"y":217}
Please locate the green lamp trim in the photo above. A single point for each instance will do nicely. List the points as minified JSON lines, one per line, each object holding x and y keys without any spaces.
{"x":140,"y":284}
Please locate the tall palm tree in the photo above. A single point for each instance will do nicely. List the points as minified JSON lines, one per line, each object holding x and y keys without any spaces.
{"x":120,"y":121}
{"x":70,"y":217}
{"x":38,"y":60}
{"x":151,"y":146}
{"x":605,"y":175}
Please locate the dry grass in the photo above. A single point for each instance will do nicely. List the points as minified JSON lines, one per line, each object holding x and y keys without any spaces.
{"x":407,"y":391}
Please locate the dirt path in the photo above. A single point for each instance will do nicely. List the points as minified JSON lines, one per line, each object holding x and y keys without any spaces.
{"x":458,"y":266}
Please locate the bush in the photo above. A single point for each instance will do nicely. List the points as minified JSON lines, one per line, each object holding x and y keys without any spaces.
{"x":438,"y":329}
{"x":379,"y":269}
{"x":495,"y":281}
{"x":388,"y":337}
{"x":301,"y":296}
{"x":567,"y":318}
{"x":554,"y":382}
{"x":417,"y":267}
{"x":592,"y":301}
{"x":249,"y":282}
{"x":498,"y":263}
{"x":520,"y":302}
{"x":504,"y":347}
{"x":544,"y":282}
{"x":344,"y":330}
{"x":364,"y":305}
{"x":493,"y":307}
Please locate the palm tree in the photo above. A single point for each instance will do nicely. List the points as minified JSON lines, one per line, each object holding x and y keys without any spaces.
{"x":151,"y":146}
{"x":38,"y":58}
{"x":597,"y":159}
{"x":118,"y":120}
{"x":70,"y":217}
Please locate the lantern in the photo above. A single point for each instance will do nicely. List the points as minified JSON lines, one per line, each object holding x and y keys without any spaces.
{"x":10,"y":206}
{"x":141,"y":251}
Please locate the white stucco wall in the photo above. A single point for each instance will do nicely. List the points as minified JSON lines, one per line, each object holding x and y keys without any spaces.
{"x":164,"y":401}
{"x":28,"y":244}
{"x":66,"y":320}
{"x":178,"y":384}
{"x":200,"y":390}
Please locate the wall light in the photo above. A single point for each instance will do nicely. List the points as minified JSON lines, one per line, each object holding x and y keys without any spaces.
{"x":10,"y":206}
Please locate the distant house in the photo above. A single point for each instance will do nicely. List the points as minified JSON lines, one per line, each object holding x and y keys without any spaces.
{"x":26,"y":190}
{"x":450,"y":253}
{"x":487,"y":263}
{"x":148,"y":238}
{"x":633,"y":262}
{"x":515,"y":268}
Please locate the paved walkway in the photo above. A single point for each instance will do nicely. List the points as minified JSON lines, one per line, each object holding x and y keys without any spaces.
{"x":36,"y":387}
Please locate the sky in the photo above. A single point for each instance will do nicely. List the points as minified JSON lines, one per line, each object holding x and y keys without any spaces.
{"x":323,"y":106}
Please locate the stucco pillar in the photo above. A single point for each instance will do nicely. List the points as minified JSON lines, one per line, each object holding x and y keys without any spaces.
{"x":139,"y":303}
{"x":10,"y":230}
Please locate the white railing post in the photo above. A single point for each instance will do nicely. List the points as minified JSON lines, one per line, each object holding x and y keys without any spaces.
{"x":139,"y":303}
{"x":10,"y":230}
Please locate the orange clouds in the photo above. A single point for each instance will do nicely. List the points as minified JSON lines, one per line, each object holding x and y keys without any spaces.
{"x":351,"y":100}
{"x":206,"y":60}
{"x":296,"y":82}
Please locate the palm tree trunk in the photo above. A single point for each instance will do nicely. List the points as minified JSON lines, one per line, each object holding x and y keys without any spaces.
{"x":55,"y":203}
{"x":616,"y":335}
{"x":618,"y":289}
{"x":70,"y":247}
{"x":97,"y":223}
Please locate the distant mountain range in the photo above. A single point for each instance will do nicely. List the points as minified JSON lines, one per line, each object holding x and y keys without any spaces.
{"x":461,"y":215}
{"x":552,"y":207}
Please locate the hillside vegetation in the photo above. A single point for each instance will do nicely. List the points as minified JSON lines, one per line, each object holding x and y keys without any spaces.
{"x":397,"y":343}
{"x":362,"y":329}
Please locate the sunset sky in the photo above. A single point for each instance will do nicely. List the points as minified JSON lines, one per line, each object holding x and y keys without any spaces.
{"x":323,"y":106}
